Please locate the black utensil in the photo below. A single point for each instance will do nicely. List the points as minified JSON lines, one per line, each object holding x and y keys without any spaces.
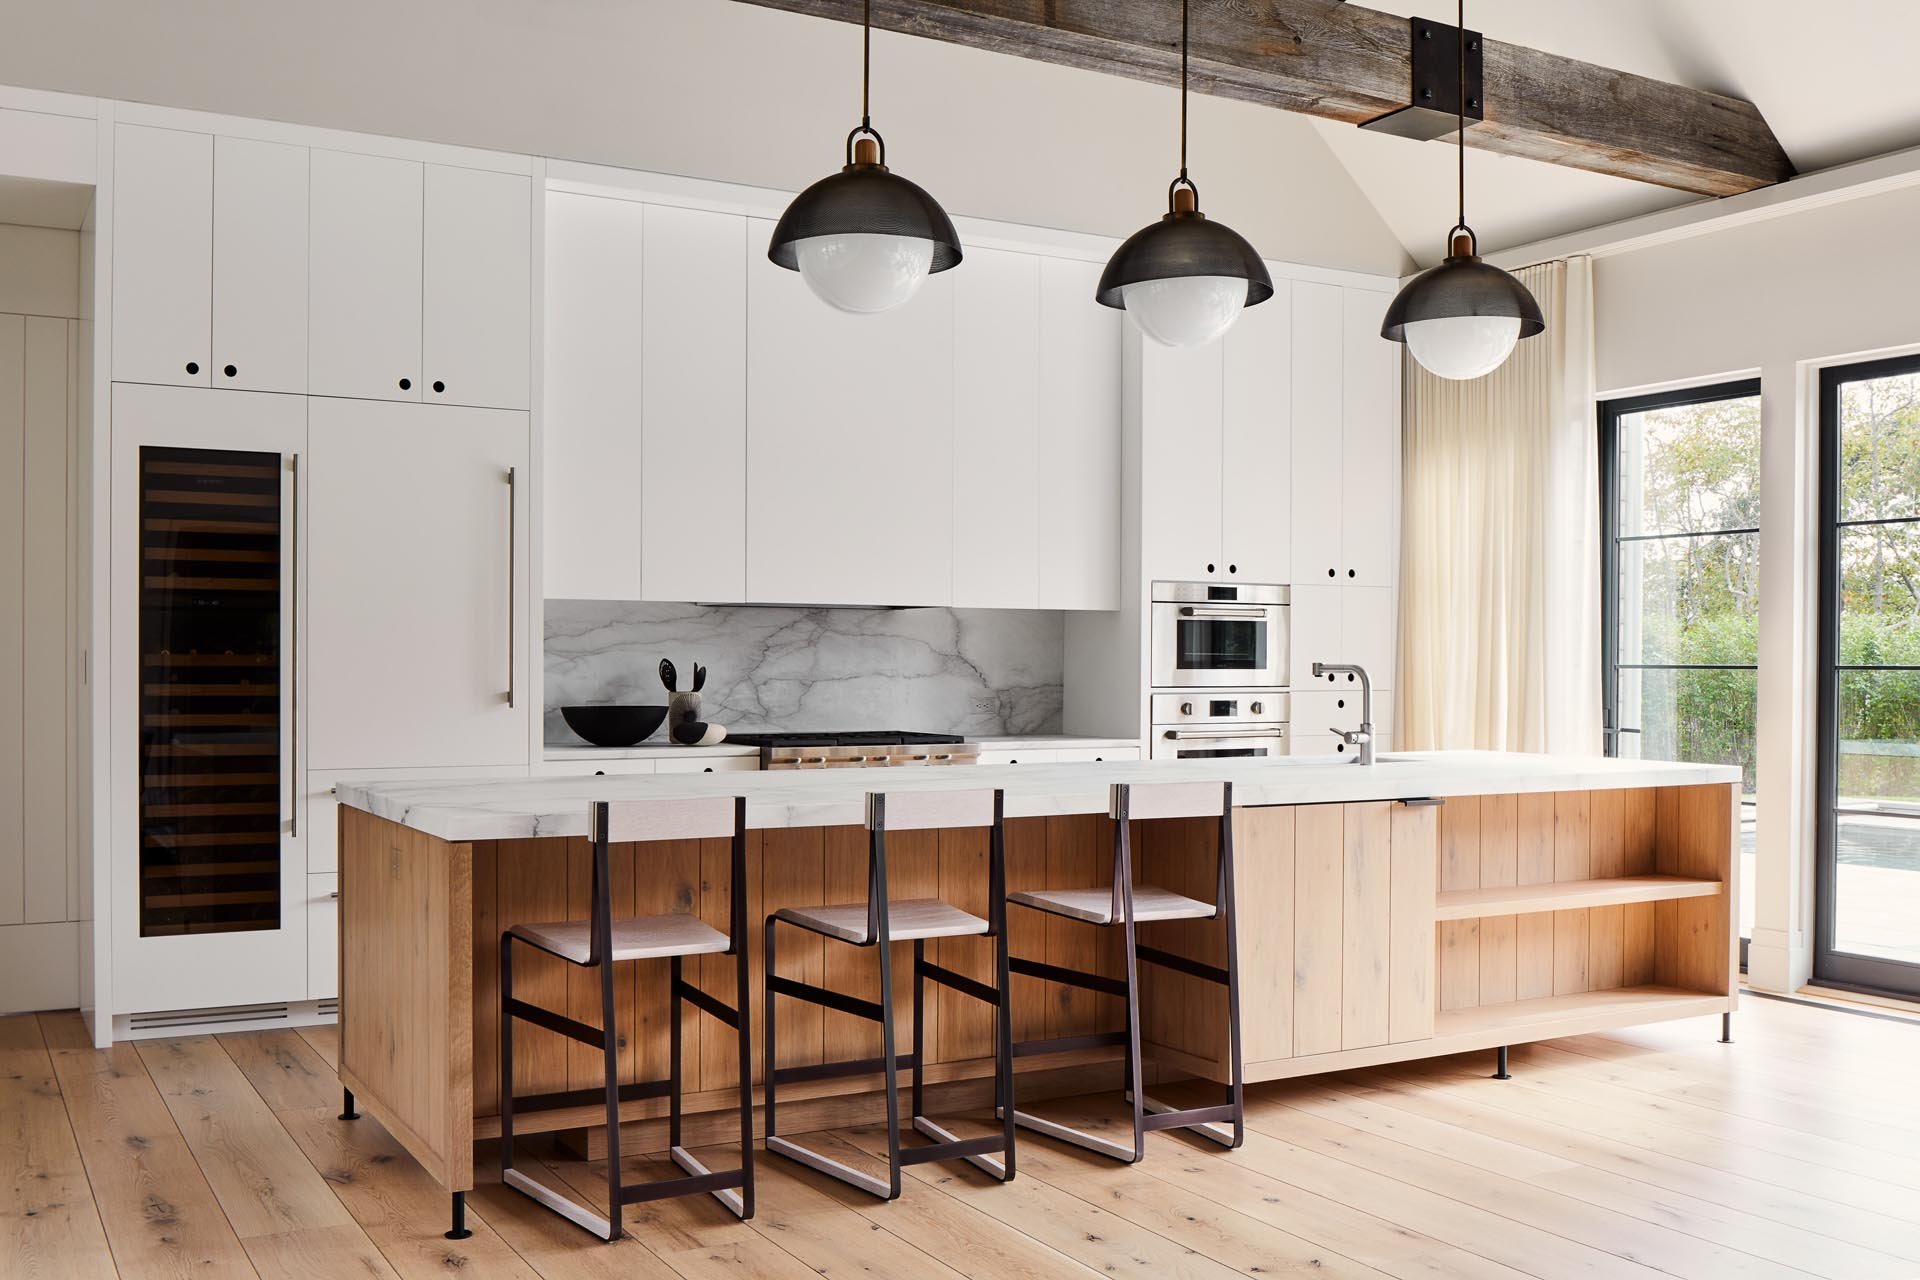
{"x":668,"y":676}
{"x":699,"y":677}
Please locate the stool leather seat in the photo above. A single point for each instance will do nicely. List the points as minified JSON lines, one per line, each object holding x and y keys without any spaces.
{"x":636,"y":938}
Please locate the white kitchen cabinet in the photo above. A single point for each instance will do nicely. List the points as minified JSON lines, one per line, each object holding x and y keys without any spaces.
{"x":1180,"y":459}
{"x":1256,"y":433}
{"x":595,"y":298}
{"x":708,"y":764}
{"x":997,"y":479}
{"x":849,"y":444}
{"x":1079,"y":439}
{"x":1319,"y":339}
{"x":364,"y":276}
{"x":693,"y":406}
{"x":476,"y":290}
{"x":323,"y":937}
{"x":162,"y":255}
{"x":1367,"y":632}
{"x":417,"y":612}
{"x":1369,"y":444}
{"x":1084,"y":755}
{"x":1315,"y":633}
{"x":259,"y":265}
{"x":1017,"y":755}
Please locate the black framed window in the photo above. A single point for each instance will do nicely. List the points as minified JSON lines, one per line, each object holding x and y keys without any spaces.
{"x":1680,"y":583}
{"x":1868,"y":877}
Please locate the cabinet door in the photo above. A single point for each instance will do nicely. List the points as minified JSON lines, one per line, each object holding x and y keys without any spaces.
{"x":416,"y":597}
{"x":1179,"y":460}
{"x":1256,"y":497}
{"x":850,"y":454}
{"x":162,"y":255}
{"x":1319,"y":338}
{"x":476,"y":295}
{"x":1079,"y":439}
{"x":693,"y":407}
{"x":1314,"y":633}
{"x":1366,"y":631}
{"x":259,"y":265}
{"x":363,"y":279}
{"x":323,"y":937}
{"x":1369,"y":443}
{"x":997,"y":476}
{"x":590,"y":524}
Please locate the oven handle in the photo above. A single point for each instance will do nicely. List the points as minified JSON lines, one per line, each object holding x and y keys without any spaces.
{"x":1178,"y":735}
{"x":1225,"y":611}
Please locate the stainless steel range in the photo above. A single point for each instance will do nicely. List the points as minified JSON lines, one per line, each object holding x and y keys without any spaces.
{"x":868,"y":749}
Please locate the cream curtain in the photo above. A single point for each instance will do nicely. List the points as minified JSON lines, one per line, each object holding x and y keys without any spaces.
{"x":1500,"y":542}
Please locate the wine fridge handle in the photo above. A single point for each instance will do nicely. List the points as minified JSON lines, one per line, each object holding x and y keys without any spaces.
{"x":513,"y":585}
{"x":293,"y":669}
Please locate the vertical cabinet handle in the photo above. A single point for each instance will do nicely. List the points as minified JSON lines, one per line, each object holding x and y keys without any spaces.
{"x":513,"y":552}
{"x":293,"y":669}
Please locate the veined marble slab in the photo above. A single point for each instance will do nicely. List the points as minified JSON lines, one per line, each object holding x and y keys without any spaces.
{"x":525,"y":808}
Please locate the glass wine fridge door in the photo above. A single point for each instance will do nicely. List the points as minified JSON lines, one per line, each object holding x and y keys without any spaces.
{"x":213,"y":902}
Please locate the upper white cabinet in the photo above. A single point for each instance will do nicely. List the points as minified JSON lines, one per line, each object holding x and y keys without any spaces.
{"x":417,"y":618}
{"x":693,"y":406}
{"x":419,"y":282}
{"x":259,"y":265}
{"x":1079,"y":440}
{"x":476,"y":291}
{"x":849,"y":444}
{"x":1256,"y":412}
{"x":997,"y":487}
{"x":364,"y":276}
{"x":1346,"y":438}
{"x":162,"y":256}
{"x":592,"y":443}
{"x":1180,"y":392}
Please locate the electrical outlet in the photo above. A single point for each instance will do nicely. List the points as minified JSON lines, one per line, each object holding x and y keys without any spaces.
{"x":986,"y":706}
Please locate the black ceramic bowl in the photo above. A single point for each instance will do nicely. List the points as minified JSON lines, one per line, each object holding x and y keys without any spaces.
{"x":613,"y":726}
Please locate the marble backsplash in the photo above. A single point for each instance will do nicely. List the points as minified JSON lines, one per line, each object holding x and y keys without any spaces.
{"x":982,"y":671}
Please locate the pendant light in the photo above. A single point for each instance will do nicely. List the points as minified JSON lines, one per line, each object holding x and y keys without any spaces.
{"x":1461,"y":319}
{"x":1184,"y":278}
{"x":865,"y":239}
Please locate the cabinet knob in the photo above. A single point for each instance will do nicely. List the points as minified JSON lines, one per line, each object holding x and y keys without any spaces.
{"x":230,"y":371}
{"x":439,"y":386}
{"x":406,"y":384}
{"x":1332,"y":573}
{"x":1233,"y":568}
{"x":708,"y":769}
{"x":1209,"y":568}
{"x":1340,"y":702}
{"x":193,"y":366}
{"x":1349,"y":573}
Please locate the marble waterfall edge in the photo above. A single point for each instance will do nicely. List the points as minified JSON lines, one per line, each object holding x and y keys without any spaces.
{"x":979,"y":671}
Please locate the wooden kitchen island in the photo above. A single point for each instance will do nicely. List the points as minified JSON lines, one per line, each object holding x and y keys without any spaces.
{"x":1546,"y":896}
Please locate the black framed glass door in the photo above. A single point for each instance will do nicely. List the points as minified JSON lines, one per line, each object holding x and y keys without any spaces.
{"x":1867,"y":924}
{"x":1680,"y":580}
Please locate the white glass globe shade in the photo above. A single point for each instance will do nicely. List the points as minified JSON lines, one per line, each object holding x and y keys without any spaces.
{"x":864,"y":272}
{"x":1185,"y":311}
{"x":1463,"y":347}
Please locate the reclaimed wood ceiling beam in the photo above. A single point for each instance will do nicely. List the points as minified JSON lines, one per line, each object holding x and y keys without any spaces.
{"x":1340,"y":61}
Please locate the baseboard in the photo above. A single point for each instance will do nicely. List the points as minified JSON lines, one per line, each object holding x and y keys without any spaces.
{"x":250,"y":1017}
{"x":39,"y":967}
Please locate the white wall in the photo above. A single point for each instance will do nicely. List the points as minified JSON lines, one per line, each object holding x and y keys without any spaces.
{"x":713,"y":89}
{"x":1781,"y":297}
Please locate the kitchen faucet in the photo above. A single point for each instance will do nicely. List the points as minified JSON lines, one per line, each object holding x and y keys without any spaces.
{"x":1363,"y":736}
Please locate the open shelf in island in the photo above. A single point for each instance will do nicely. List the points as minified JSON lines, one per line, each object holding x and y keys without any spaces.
{"x":1569,"y":895}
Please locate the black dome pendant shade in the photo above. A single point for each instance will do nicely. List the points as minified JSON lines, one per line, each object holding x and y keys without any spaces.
{"x":1184,"y":242}
{"x":865,"y":197}
{"x":1463,"y":286}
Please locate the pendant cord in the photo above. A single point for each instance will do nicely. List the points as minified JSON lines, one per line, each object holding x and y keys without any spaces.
{"x":866,"y":63}
{"x":1460,"y":101}
{"x":1183,"y":86}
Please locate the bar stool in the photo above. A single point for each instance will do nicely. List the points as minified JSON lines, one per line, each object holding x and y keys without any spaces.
{"x":602,"y":942}
{"x":878,"y":922}
{"x":1128,"y":905}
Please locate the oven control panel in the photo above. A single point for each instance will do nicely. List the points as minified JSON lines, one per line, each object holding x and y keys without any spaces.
{"x":1221,"y":707}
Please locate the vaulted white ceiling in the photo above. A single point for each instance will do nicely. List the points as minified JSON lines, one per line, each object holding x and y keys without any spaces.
{"x":1835,"y":80}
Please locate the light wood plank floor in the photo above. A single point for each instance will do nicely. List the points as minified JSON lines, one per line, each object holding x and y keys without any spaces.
{"x":1656,"y":1152}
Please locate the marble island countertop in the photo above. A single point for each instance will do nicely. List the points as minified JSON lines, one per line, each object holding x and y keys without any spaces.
{"x":521,"y":808}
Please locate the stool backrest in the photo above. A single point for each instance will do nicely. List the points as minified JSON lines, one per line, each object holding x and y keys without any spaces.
{"x":705,"y":818}
{"x":922,"y":810}
{"x":1168,"y":799}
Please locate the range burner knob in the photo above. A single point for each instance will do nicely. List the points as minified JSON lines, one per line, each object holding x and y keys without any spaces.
{"x":1255,"y":708}
{"x":1186,"y":708}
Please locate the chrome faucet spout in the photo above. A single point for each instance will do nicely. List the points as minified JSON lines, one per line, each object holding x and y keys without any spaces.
{"x":1363,"y":736}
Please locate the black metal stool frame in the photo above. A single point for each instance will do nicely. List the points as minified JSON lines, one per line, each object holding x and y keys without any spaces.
{"x":1149,"y":1115}
{"x":733,"y":1187}
{"x":947,"y":1146}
